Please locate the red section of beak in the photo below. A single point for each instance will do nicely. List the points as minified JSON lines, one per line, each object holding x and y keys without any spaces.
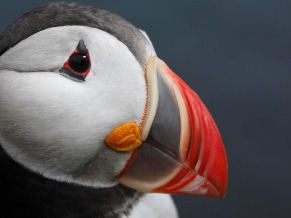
{"x":205,"y":172}
{"x":184,"y":152}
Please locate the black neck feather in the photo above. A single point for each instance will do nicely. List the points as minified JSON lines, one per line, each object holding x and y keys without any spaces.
{"x":26,"y":194}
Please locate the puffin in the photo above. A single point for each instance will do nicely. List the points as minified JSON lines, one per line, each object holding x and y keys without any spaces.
{"x":94,"y":124}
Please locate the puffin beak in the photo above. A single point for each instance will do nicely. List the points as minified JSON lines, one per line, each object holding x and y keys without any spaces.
{"x":182,"y":151}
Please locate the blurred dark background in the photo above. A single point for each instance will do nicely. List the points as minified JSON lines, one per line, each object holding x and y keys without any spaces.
{"x":237,"y":56}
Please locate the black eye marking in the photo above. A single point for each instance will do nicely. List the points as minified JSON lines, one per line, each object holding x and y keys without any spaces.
{"x":78,"y":66}
{"x":81,"y":48}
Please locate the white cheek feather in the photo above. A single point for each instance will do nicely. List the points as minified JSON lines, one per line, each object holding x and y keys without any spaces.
{"x":150,"y":206}
{"x":57,"y":126}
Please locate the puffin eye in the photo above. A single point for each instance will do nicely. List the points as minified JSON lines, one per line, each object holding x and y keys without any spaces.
{"x":79,"y":63}
{"x":78,"y":66}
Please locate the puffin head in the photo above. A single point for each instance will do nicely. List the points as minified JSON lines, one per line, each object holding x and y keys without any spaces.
{"x":84,"y":99}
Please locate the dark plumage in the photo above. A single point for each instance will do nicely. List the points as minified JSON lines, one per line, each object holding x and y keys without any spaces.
{"x":63,"y":14}
{"x":27,"y":194}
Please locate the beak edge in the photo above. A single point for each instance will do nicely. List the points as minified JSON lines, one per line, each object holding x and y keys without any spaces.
{"x":201,"y":167}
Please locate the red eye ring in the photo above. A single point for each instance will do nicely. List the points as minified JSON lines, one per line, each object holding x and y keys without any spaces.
{"x":78,"y":63}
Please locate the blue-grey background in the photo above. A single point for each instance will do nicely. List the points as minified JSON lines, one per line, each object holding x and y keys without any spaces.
{"x":237,"y":56}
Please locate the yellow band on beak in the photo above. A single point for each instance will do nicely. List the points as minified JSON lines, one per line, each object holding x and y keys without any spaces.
{"x":125,"y":137}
